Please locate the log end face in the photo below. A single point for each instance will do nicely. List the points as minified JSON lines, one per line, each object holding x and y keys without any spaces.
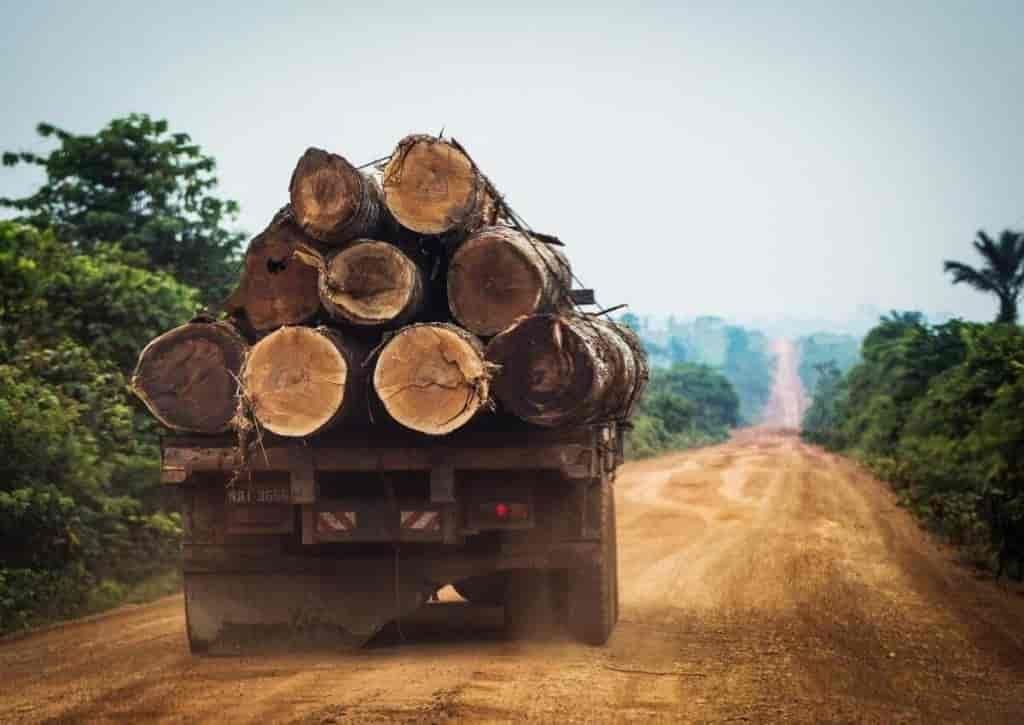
{"x":491,"y":284}
{"x":431,"y":378}
{"x":295,"y":381}
{"x":430,"y":186}
{"x":326,"y":193}
{"x":370,"y":283}
{"x":187,"y":377}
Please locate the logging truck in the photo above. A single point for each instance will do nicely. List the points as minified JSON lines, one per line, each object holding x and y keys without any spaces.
{"x":404,"y":393}
{"x":350,"y":531}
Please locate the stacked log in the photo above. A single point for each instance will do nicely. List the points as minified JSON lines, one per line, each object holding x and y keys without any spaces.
{"x":561,"y":370}
{"x":500,"y":274}
{"x":187,"y":377}
{"x":366,"y":295}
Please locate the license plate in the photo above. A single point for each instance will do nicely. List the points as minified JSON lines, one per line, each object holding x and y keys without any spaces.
{"x":248,"y":495}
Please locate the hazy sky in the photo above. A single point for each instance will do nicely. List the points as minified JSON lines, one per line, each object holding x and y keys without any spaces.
{"x":747,"y":160}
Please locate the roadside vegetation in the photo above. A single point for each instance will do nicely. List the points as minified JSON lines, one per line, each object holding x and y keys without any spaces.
{"x":938,"y":411}
{"x":123,"y":240}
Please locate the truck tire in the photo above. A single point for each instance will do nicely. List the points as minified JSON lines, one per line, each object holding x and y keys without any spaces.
{"x":488,"y":589}
{"x":201,"y":627}
{"x":592,"y":601}
{"x":529,"y":610}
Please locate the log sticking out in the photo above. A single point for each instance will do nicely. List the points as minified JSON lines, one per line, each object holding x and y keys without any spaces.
{"x":499,"y":274}
{"x":369,"y":283}
{"x":332,"y":200}
{"x":188,"y":377}
{"x":432,"y":187}
{"x":556,"y":370}
{"x":276,"y":289}
{"x":300,"y":380}
{"x":432,"y":378}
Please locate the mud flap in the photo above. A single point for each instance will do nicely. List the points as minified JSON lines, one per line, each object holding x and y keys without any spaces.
{"x":359,"y":602}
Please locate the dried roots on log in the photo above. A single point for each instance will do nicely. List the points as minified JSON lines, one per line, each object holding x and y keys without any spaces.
{"x":432,"y":187}
{"x":555,"y":370}
{"x":276,"y":289}
{"x":299,"y":380}
{"x":432,"y":378}
{"x":333,"y":201}
{"x":369,"y":283}
{"x":500,"y":274}
{"x":188,"y":377}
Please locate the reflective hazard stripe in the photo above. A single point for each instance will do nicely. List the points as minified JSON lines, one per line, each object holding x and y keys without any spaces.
{"x":421,"y":520}
{"x":328,"y":521}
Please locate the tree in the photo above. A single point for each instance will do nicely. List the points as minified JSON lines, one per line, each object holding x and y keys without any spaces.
{"x":1002,"y":274}
{"x":137,"y":185}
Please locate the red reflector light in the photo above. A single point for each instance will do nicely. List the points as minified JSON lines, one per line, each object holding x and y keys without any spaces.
{"x":501,"y":511}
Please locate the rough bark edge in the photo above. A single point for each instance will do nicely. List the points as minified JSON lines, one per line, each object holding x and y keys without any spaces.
{"x":364,"y":221}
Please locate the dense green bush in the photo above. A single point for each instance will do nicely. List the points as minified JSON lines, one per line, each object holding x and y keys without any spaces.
{"x":686,"y":405}
{"x":937,"y":411}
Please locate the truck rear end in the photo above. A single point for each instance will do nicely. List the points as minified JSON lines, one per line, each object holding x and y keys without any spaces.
{"x":354,"y":528}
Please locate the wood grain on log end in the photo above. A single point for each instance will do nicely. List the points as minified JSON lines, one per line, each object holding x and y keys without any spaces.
{"x":276,"y":289}
{"x":499,"y":274}
{"x":431,"y":187}
{"x":432,"y":378}
{"x":371,"y":283}
{"x":557,"y":370}
{"x":333,"y":201}
{"x":188,"y":377}
{"x":299,"y":380}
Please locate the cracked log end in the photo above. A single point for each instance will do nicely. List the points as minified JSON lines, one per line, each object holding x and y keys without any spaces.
{"x":432,"y":187}
{"x":432,"y":378}
{"x":187,"y":377}
{"x":299,"y":380}
{"x":371,"y":283}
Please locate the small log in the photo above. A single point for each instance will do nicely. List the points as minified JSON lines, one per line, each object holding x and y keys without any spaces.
{"x":333,"y":201}
{"x":369,"y":283}
{"x":300,"y":380}
{"x":432,"y":187}
{"x":499,"y":274}
{"x":559,"y":370}
{"x":188,"y":377}
{"x":432,"y":378}
{"x":276,"y":289}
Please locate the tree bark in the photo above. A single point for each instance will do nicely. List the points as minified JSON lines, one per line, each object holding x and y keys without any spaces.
{"x":558,"y":370}
{"x":432,"y":187}
{"x":333,"y":201}
{"x":276,"y":289}
{"x":188,"y":377}
{"x":500,"y":274}
{"x":299,"y":380}
{"x":432,"y":378}
{"x":369,"y":283}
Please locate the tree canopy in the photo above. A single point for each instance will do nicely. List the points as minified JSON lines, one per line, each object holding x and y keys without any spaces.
{"x":138,"y":185}
{"x":1001,"y":275}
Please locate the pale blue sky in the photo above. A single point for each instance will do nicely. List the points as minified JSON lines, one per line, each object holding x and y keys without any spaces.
{"x":743,"y":159}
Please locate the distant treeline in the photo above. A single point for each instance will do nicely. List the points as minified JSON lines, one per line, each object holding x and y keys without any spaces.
{"x":744,"y":357}
{"x":938,"y":411}
{"x":825,"y":347}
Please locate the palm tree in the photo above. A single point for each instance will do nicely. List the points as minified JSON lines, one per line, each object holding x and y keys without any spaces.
{"x":1003,"y":273}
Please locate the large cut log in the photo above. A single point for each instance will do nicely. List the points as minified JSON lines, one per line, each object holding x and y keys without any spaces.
{"x":500,"y":274}
{"x":276,"y":289}
{"x":333,"y":201}
{"x":188,"y":377}
{"x":369,"y":283}
{"x":432,"y":187}
{"x":299,"y":380}
{"x":556,"y":370}
{"x":432,"y":378}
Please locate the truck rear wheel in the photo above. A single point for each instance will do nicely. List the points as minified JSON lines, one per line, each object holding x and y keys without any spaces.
{"x":486,"y":589}
{"x":593,"y":597}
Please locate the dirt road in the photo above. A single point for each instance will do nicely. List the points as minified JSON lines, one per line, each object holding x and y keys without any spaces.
{"x":761,"y":581}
